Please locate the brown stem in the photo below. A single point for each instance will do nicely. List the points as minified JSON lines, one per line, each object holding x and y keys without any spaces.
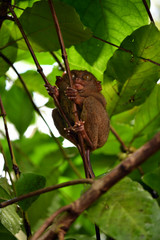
{"x":101,"y":186}
{"x":61,"y":42}
{"x":149,"y":60}
{"x":14,"y":164}
{"x":148,"y":11}
{"x":45,"y":190}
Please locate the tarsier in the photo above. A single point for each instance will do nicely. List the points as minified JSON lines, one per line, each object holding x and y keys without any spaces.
{"x":91,"y":109}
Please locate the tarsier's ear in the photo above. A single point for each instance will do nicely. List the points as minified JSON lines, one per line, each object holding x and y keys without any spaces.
{"x":99,"y":87}
{"x":58,"y":80}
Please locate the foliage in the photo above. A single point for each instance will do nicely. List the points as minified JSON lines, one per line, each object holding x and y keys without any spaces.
{"x":130,"y":84}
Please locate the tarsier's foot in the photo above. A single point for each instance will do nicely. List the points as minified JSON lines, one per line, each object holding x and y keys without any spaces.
{"x":71,"y":93}
{"x":52,"y":90}
{"x":79,"y":126}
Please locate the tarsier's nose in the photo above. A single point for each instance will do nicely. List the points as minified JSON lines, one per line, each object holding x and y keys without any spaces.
{"x":78,"y":80}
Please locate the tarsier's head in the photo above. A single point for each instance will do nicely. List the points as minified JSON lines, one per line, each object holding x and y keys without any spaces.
{"x":81,"y":80}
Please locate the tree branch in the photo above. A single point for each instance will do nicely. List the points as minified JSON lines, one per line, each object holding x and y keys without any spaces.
{"x":99,"y":187}
{"x":45,"y":190}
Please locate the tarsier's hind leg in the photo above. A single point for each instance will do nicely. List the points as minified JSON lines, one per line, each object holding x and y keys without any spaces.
{"x":90,"y":173}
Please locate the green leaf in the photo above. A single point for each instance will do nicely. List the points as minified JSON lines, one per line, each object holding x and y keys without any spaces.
{"x":29,"y":182}
{"x":108,"y":20}
{"x":152,"y":163}
{"x":5,"y":234}
{"x":127,"y":212}
{"x":8,"y":51}
{"x":147,"y":119}
{"x":129,"y":79}
{"x":126,"y":117}
{"x":102,"y":161}
{"x":40,"y":28}
{"x":19,"y":108}
{"x":5,"y":185}
{"x":50,"y":201}
{"x":42,"y":159}
{"x":33,"y":81}
{"x":8,"y":215}
{"x":10,"y":219}
{"x":152,"y":179}
{"x":3,"y":194}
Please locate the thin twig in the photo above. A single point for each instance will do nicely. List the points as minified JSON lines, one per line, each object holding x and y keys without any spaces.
{"x":45,"y":190}
{"x":125,"y":148}
{"x":149,"y":60}
{"x":112,"y":44}
{"x":57,"y":60}
{"x":14,"y":164}
{"x":126,"y":50}
{"x":148,"y":11}
{"x":14,"y":6}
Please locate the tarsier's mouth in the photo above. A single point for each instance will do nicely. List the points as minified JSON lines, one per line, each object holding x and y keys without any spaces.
{"x":78,"y":84}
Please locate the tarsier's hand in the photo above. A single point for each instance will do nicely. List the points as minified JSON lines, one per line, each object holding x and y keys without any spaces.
{"x":52,"y":90}
{"x":71,"y":93}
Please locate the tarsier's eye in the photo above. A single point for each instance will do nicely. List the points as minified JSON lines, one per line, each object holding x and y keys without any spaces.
{"x":87,"y":77}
